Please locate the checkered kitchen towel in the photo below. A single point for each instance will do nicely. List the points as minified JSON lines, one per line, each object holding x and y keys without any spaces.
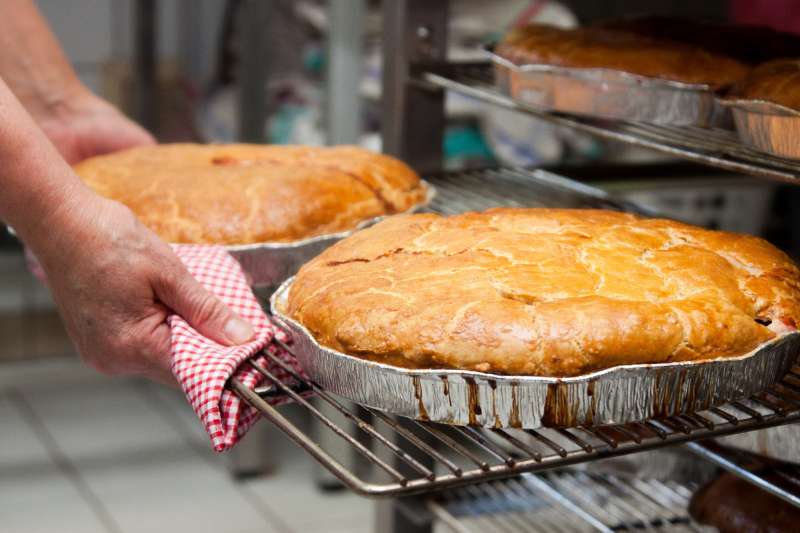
{"x":202,"y":367}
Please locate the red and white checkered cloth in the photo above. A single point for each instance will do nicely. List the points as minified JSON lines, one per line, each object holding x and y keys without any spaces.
{"x":202,"y":367}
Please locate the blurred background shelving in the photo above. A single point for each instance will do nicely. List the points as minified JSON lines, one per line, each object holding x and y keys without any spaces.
{"x":277,"y":71}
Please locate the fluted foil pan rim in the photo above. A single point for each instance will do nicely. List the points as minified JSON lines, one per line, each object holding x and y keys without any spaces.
{"x":596,"y":74}
{"x":620,"y":394}
{"x":766,"y":126}
{"x":430,"y":194}
{"x":763,"y":107}
{"x":270,"y":263}
{"x":609,"y":94}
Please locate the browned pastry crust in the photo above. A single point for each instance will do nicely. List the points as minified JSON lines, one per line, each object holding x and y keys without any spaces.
{"x":551,"y":292}
{"x":594,"y":47}
{"x":746,"y":43}
{"x":241,"y":194}
{"x":777,"y":82}
{"x":733,"y":505}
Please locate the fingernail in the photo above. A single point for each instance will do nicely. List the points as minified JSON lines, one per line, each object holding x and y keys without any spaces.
{"x":238,"y":331}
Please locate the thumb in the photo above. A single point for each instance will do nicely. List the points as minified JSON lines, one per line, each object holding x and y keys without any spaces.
{"x":124,"y":135}
{"x":202,"y":310}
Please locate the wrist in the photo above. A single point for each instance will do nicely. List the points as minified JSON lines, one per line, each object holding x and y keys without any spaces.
{"x":59,"y":216}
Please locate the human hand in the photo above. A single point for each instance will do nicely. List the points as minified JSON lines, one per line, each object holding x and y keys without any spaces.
{"x":38,"y":73}
{"x":85,"y":125}
{"x":117,"y":283}
{"x":114,"y":281}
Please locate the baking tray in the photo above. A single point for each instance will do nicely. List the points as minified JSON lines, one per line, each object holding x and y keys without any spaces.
{"x":608,"y":93}
{"x":269,"y":263}
{"x":616,"y":395}
{"x":766,"y":126}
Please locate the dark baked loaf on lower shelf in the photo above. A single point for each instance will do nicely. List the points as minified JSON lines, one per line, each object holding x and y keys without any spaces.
{"x":734,"y":505}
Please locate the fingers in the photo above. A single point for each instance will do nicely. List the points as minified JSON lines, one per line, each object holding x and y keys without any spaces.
{"x":202,"y":310}
{"x":158,"y":365}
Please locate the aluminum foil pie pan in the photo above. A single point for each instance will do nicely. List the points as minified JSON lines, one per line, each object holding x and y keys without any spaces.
{"x":269,"y":263}
{"x":616,"y":395}
{"x":608,"y":93}
{"x":766,"y":126}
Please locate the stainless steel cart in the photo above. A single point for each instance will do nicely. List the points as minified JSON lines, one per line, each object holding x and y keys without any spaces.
{"x":412,"y":459}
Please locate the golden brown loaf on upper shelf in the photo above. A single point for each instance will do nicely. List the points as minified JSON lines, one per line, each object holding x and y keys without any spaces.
{"x":776,"y":81}
{"x":594,"y":47}
{"x":746,"y":43}
{"x":551,"y":292}
{"x":240,"y":194}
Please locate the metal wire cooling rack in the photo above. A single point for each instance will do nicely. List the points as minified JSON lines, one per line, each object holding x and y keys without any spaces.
{"x":412,"y":457}
{"x":715,"y":147}
{"x":567,"y":501}
{"x":479,"y":189}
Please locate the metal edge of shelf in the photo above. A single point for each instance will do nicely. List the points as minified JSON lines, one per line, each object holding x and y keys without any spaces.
{"x":440,"y":81}
{"x":728,"y":462}
{"x":486,"y":472}
{"x":535,"y":502}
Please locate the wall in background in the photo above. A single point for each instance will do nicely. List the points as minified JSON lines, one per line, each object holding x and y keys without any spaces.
{"x":96,"y":33}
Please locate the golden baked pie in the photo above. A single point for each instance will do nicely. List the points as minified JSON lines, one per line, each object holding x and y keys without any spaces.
{"x":597,"y":47}
{"x":777,"y":82}
{"x":549,"y":292}
{"x":241,"y":194}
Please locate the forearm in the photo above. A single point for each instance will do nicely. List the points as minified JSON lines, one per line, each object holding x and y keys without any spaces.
{"x":32,"y":62}
{"x":37,"y":185}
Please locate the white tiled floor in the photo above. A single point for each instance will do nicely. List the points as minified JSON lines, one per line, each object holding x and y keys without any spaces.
{"x":79,"y":452}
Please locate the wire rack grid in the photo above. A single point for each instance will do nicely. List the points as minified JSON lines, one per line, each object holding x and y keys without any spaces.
{"x":411,"y":457}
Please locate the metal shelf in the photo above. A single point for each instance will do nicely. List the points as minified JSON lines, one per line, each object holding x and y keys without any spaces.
{"x":479,"y":189}
{"x":567,"y":501}
{"x":410,"y":457}
{"x":413,"y":457}
{"x":714,"y":147}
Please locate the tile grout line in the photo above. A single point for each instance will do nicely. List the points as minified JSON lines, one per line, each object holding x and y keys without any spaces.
{"x":62,"y":462}
{"x":166,"y":412}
